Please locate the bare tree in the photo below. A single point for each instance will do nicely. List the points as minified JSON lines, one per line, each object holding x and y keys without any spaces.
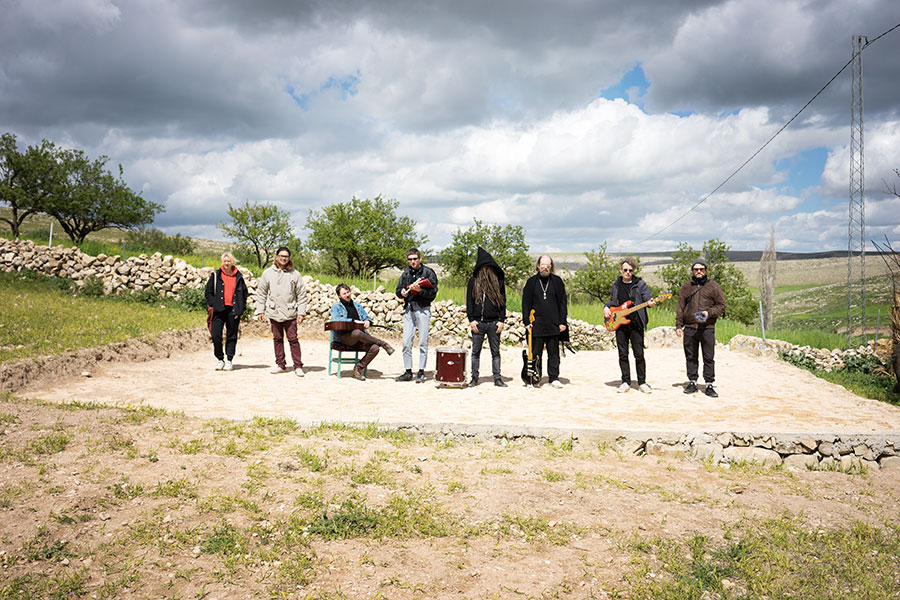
{"x":766,"y":281}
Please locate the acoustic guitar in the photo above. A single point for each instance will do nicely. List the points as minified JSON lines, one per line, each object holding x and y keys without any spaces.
{"x":531,"y":370}
{"x":618,"y":314}
{"x":424,"y":283}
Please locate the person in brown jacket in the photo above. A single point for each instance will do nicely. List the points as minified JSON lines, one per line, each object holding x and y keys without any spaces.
{"x":700,"y":303}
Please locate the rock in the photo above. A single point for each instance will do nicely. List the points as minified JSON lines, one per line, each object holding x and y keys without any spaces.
{"x":890,"y":463}
{"x":808,"y":444}
{"x":751,"y":454}
{"x":86,"y":374}
{"x":826,"y":449}
{"x":710,"y":451}
{"x":801,"y":462}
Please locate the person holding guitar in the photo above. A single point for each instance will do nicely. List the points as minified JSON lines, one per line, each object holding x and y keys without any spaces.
{"x":417,"y":287}
{"x":545,"y":292}
{"x":348,"y":311}
{"x":628,"y":287}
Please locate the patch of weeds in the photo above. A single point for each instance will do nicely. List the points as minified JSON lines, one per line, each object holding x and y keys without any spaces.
{"x":404,"y":516}
{"x":455,"y":485}
{"x":496,"y":470}
{"x":8,"y":418}
{"x":191,"y":447}
{"x":312,"y":461}
{"x":62,"y":518}
{"x":275,"y":427}
{"x":126,"y":490}
{"x":371,"y":473}
{"x":605,"y":447}
{"x":416,"y":469}
{"x":226,"y":503}
{"x":42,"y":547}
{"x":69,"y":583}
{"x":366,"y":431}
{"x":779,"y":558}
{"x":12,"y":493}
{"x":51,"y":443}
{"x":554,"y":476}
{"x":226,"y":540}
{"x":257,"y":473}
{"x":563,"y":448}
{"x":836,"y":466}
{"x":313,"y":501}
{"x":175,"y":488}
{"x":138,"y":415}
{"x":539,"y":529}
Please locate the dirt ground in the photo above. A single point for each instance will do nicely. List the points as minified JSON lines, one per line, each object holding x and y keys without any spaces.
{"x":140,"y":503}
{"x":756,"y":394}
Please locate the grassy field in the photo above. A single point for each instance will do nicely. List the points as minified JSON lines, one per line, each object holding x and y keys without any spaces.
{"x":101,"y":503}
{"x":40,"y":317}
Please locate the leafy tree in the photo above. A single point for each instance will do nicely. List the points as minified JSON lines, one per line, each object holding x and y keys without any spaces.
{"x":597,"y":277}
{"x":506,"y":244}
{"x":25,"y":178}
{"x":259,"y":228}
{"x":738,"y":303}
{"x":156,"y":241}
{"x":85,"y":197}
{"x":359,"y":237}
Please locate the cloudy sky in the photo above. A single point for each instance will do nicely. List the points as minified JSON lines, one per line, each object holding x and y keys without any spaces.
{"x":582,"y":120}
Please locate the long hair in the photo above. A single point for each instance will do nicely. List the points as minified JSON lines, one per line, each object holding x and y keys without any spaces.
{"x":486,"y":283}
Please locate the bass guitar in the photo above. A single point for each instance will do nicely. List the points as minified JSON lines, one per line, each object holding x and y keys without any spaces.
{"x":618,"y":314}
{"x":531,"y":370}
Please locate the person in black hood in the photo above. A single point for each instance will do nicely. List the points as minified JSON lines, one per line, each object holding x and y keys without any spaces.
{"x":486,"y":311}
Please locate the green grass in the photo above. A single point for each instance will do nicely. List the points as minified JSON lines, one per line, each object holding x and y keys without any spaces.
{"x":780,"y":558}
{"x":38,"y":318}
{"x":867,"y":385}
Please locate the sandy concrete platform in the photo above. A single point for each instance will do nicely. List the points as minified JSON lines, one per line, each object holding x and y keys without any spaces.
{"x":756,"y":394}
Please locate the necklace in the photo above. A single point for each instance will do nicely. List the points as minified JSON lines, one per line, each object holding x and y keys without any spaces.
{"x":544,"y":287}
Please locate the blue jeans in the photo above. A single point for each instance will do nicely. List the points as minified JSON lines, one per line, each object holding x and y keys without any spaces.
{"x":416,"y":318}
{"x":489,"y":329}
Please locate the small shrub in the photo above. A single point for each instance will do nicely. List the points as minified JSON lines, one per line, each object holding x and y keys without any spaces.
{"x":191,"y":298}
{"x":92,"y":287}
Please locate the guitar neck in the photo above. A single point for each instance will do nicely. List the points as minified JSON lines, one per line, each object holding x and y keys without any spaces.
{"x":628,"y":311}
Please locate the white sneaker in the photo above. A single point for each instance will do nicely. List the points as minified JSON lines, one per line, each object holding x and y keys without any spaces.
{"x":623,"y":387}
{"x":556,"y":384}
{"x":228,"y":366}
{"x":646,"y":388}
{"x":279,"y":370}
{"x":299,"y":372}
{"x":220,"y":365}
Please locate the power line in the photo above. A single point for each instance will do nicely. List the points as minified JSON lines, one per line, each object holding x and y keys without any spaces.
{"x":769,"y":141}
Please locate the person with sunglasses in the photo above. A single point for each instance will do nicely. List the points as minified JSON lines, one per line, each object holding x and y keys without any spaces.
{"x":630,"y":287}
{"x":700,"y":302}
{"x":417,"y":287}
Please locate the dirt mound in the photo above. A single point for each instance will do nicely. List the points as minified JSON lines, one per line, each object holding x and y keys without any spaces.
{"x":14,"y":376}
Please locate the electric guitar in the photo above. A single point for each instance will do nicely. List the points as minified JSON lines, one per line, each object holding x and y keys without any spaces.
{"x":531,"y":370}
{"x":618,"y":313}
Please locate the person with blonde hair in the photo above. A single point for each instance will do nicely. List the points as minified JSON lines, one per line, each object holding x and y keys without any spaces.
{"x":226,"y":299}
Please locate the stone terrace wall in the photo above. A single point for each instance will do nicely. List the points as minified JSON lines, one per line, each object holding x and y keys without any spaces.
{"x":168,"y":276}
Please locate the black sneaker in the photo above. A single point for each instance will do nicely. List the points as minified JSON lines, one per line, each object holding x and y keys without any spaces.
{"x":420,"y":377}
{"x":474,"y":381}
{"x":499,"y":383}
{"x":710,"y":391}
{"x":691,"y":388}
{"x":407,"y":376}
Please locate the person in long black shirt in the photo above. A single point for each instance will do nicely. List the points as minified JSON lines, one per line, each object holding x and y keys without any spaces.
{"x":545,"y":292}
{"x":486,"y":312}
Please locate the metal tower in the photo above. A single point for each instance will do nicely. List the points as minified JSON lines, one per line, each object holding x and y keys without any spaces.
{"x":856,"y":238}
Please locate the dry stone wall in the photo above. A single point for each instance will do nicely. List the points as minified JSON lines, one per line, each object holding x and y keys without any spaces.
{"x":168,"y":276}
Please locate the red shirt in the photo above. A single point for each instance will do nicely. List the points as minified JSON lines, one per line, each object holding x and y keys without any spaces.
{"x":229,"y":283}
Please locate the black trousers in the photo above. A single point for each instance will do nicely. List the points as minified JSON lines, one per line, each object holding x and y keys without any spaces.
{"x":705,"y":341}
{"x":552,"y":345}
{"x":227,"y":320}
{"x":635,"y":336}
{"x":489,"y":329}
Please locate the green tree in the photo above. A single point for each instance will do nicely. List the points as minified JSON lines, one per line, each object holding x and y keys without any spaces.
{"x":359,"y":237}
{"x":259,"y":228}
{"x":25,"y":179}
{"x":739,"y":304}
{"x":85,"y":197}
{"x":596,"y":278}
{"x":506,"y":244}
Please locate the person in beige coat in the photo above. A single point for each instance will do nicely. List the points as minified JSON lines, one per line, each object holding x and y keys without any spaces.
{"x":281,"y":298}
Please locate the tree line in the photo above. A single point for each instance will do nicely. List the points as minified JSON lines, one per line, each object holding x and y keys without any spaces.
{"x":356,"y":238}
{"x":83,"y":195}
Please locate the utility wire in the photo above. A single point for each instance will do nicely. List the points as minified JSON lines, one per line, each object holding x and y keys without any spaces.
{"x":769,"y":141}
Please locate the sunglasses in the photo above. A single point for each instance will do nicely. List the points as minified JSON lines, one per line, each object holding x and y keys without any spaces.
{"x":628,"y":270}
{"x":413,"y":259}
{"x":701,"y":269}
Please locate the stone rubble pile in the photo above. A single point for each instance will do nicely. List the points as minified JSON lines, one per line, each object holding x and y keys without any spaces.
{"x":168,"y":276}
{"x":819,"y":358}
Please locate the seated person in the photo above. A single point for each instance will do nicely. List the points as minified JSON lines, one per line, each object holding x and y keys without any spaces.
{"x":345,"y":309}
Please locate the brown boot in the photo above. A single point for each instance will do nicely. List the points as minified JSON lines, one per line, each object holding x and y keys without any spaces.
{"x":387,"y":348}
{"x":358,"y":373}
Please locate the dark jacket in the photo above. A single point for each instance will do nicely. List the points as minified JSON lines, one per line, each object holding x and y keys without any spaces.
{"x":695,"y":297}
{"x":547,"y":321}
{"x":215,"y":293}
{"x":640,"y":293}
{"x":422,"y":299}
{"x":483,"y":309}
